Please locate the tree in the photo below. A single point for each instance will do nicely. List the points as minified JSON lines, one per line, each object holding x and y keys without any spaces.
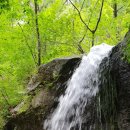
{"x":37,"y":33}
{"x":93,"y":31}
{"x":4,"y":5}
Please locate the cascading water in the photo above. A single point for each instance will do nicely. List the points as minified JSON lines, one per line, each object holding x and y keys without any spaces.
{"x":82,"y":86}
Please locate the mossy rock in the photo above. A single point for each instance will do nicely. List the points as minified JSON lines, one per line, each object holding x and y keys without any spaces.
{"x":43,"y":91}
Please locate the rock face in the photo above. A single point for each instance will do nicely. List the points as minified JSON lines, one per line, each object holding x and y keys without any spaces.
{"x":115,"y":90}
{"x":50,"y":82}
{"x":43,"y":91}
{"x":120,"y":71}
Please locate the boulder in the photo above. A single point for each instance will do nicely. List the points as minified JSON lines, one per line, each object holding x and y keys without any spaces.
{"x":43,"y":91}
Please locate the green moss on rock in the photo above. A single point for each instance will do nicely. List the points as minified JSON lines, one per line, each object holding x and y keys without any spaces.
{"x":127,"y":52}
{"x":25,"y":104}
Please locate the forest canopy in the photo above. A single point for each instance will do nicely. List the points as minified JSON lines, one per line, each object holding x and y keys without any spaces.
{"x":33,"y":32}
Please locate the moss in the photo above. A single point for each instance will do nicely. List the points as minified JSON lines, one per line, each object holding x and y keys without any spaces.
{"x":2,"y":122}
{"x":37,"y":91}
{"x":49,"y":86}
{"x":55,"y":75}
{"x":26,"y":104}
{"x":127,"y":52}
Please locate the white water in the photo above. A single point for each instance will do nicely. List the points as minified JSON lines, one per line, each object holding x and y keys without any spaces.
{"x":81,"y":87}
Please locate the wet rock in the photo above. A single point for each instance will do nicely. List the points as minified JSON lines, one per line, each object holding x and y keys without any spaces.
{"x":120,"y":72}
{"x":47,"y":73}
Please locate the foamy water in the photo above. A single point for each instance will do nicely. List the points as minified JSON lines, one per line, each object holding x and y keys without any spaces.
{"x":81,"y":87}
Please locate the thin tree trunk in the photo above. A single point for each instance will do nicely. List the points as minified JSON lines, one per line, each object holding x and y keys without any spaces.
{"x":115,"y":10}
{"x":38,"y":34}
{"x":93,"y":39}
{"x":115,"y":14}
{"x":30,"y":49}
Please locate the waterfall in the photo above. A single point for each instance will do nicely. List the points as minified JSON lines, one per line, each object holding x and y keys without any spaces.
{"x":82,"y":86}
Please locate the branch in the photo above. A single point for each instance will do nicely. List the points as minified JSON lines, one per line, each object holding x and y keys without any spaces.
{"x":28,"y":44}
{"x":96,"y":27}
{"x":5,"y":98}
{"x":82,"y":6}
{"x":82,"y":38}
{"x":92,"y":12}
{"x":98,"y":21}
{"x":79,"y":44}
{"x":41,"y":7}
{"x":99,"y":18}
{"x":81,"y":16}
{"x":120,"y":8}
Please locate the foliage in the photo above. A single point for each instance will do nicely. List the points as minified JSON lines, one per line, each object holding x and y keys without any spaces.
{"x":25,"y":104}
{"x":127,"y":52}
{"x":61,"y":34}
{"x":4,"y":5}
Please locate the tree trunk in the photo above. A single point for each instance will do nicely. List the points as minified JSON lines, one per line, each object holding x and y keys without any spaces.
{"x":115,"y":10}
{"x":115,"y":14}
{"x":38,"y":34}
